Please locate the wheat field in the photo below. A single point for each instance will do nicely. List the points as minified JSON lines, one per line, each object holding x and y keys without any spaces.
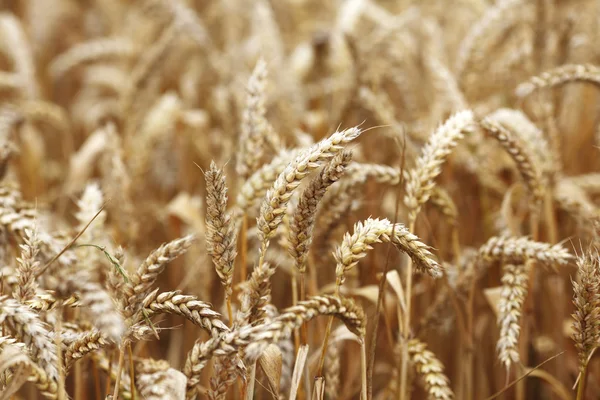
{"x":299,"y":199}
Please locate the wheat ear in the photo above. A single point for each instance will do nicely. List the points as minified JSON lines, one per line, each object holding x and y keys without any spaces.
{"x":512,"y":297}
{"x":27,"y":327}
{"x":302,"y":224}
{"x":521,"y":126}
{"x":332,"y":370}
{"x":586,"y":297}
{"x":524,"y":160}
{"x":421,"y":179}
{"x":431,"y":371}
{"x":189,"y":307}
{"x":48,"y":387}
{"x":491,"y":19}
{"x":155,"y":380}
{"x":221,"y":235}
{"x":93,"y":50}
{"x":84,"y":344}
{"x":518,"y":250}
{"x":27,"y":267}
{"x":355,"y":246}
{"x":140,"y":283}
{"x":560,"y":75}
{"x":98,"y":305}
{"x":277,"y":198}
{"x":257,"y":185}
{"x":255,"y":127}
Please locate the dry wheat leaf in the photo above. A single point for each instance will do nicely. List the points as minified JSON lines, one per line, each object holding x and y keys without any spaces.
{"x":493,"y":296}
{"x":271,"y":362}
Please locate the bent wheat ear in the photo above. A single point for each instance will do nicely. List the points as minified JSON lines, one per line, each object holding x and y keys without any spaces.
{"x":115,"y":47}
{"x":277,"y":198}
{"x":560,"y":75}
{"x":521,"y":126}
{"x":512,"y":297}
{"x":147,"y":273}
{"x":17,"y":354}
{"x":91,"y":341}
{"x":355,"y":246}
{"x":524,"y":160}
{"x":421,"y":179}
{"x":196,"y":311}
{"x":518,"y":250}
{"x":18,"y":46}
{"x":492,"y":18}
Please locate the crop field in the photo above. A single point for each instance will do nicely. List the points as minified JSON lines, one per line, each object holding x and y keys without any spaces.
{"x":299,"y":199}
